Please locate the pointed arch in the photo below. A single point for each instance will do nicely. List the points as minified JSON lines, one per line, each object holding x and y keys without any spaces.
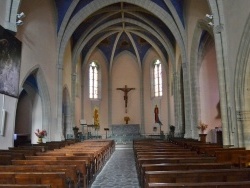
{"x":43,"y":92}
{"x":66,"y":111}
{"x":242,"y":91}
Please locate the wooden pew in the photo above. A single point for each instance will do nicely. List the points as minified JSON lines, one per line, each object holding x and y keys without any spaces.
{"x":160,"y":155}
{"x":80,"y":164}
{"x":240,"y":184}
{"x":13,"y":154}
{"x":55,"y":179}
{"x":244,"y":161}
{"x":70,"y":171}
{"x":231,"y":156}
{"x":176,"y":160}
{"x":25,"y":152}
{"x":89,"y":163}
{"x":180,"y":166}
{"x":196,"y":176}
{"x":211,"y":151}
{"x":141,"y":161}
{"x":5,"y":159}
{"x":37,"y":148}
{"x":24,"y":186}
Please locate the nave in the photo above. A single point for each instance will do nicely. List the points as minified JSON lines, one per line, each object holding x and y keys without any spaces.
{"x":148,"y":163}
{"x":119,"y":171}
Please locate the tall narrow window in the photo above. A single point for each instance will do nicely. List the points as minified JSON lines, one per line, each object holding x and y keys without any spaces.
{"x":93,"y":80}
{"x":157,"y":78}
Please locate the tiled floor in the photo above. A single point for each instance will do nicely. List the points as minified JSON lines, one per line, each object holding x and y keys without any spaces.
{"x":119,"y":171}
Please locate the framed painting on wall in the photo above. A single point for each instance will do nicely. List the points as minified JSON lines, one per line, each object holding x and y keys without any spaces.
{"x":10,"y":63}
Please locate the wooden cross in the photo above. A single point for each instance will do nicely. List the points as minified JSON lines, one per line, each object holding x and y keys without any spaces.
{"x":126,"y":90}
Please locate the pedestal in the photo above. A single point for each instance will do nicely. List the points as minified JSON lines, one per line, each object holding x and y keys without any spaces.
{"x":106,"y":129}
{"x":203,"y":137}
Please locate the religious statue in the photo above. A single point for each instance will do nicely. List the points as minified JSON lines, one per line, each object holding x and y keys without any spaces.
{"x":156,"y":111}
{"x":126,"y":90}
{"x":96,"y":118}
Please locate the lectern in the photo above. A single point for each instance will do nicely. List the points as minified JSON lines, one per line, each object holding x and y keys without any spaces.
{"x":83,"y":123}
{"x":106,"y":129}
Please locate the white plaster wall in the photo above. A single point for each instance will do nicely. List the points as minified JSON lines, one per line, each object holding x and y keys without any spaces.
{"x":9,"y":104}
{"x":236,"y":14}
{"x":125,"y":71}
{"x":149,"y":102}
{"x":24,"y":115}
{"x":38,"y":37}
{"x":3,"y":12}
{"x":193,"y":14}
{"x":209,"y":92}
{"x":36,"y":118}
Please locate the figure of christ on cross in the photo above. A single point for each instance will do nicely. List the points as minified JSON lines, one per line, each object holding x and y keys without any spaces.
{"x":126,"y":90}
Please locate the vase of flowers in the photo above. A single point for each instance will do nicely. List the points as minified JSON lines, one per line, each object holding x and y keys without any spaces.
{"x":171,"y":130}
{"x":75,"y":129}
{"x":126,"y":119}
{"x":202,"y":127}
{"x":40,"y":134}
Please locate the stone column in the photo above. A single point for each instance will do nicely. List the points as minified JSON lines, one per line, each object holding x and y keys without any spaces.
{"x":58,"y":134}
{"x":189,"y":129}
{"x":225,"y":112}
{"x":73,"y":99}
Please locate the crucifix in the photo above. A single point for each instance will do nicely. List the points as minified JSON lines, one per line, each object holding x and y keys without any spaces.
{"x":126,"y":90}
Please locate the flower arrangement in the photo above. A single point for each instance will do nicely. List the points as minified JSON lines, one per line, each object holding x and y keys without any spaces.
{"x":41,"y":133}
{"x":126,"y":119}
{"x":202,"y":127}
{"x":172,"y":128}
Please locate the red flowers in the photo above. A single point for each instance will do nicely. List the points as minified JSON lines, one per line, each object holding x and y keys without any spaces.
{"x":41,"y":134}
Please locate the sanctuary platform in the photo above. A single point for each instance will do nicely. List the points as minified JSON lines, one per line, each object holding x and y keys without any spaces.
{"x":125,"y":133}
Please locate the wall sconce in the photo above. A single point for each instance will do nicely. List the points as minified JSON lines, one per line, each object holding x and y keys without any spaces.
{"x":211,"y":24}
{"x":20,"y":16}
{"x":209,"y":16}
{"x":19,"y":22}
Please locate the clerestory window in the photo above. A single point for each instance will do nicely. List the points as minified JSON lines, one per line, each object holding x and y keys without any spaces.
{"x":157,"y":78}
{"x":94,"y":80}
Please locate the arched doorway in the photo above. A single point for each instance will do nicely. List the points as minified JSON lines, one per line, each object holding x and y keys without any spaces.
{"x":208,"y":86}
{"x":29,"y":112}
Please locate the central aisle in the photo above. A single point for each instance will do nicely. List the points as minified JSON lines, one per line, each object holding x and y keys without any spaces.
{"x":119,"y":171}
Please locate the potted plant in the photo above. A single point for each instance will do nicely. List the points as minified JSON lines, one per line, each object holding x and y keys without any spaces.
{"x":172,"y":130}
{"x":75,"y":129}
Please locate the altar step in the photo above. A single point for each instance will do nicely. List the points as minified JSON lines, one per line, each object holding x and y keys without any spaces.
{"x":124,"y":146}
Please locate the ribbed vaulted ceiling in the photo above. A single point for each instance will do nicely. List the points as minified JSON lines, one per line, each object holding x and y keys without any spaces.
{"x":122,"y":26}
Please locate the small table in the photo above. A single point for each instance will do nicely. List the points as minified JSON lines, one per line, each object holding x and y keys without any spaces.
{"x":203,"y":137}
{"x":106,"y":129}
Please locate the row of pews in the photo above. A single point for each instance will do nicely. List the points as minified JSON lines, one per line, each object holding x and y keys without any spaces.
{"x":55,"y":165}
{"x":189,"y":163}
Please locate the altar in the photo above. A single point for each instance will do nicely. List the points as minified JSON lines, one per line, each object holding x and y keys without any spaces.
{"x":125,"y":133}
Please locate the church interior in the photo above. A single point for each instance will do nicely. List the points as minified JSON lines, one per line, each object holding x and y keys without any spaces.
{"x":99,"y":75}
